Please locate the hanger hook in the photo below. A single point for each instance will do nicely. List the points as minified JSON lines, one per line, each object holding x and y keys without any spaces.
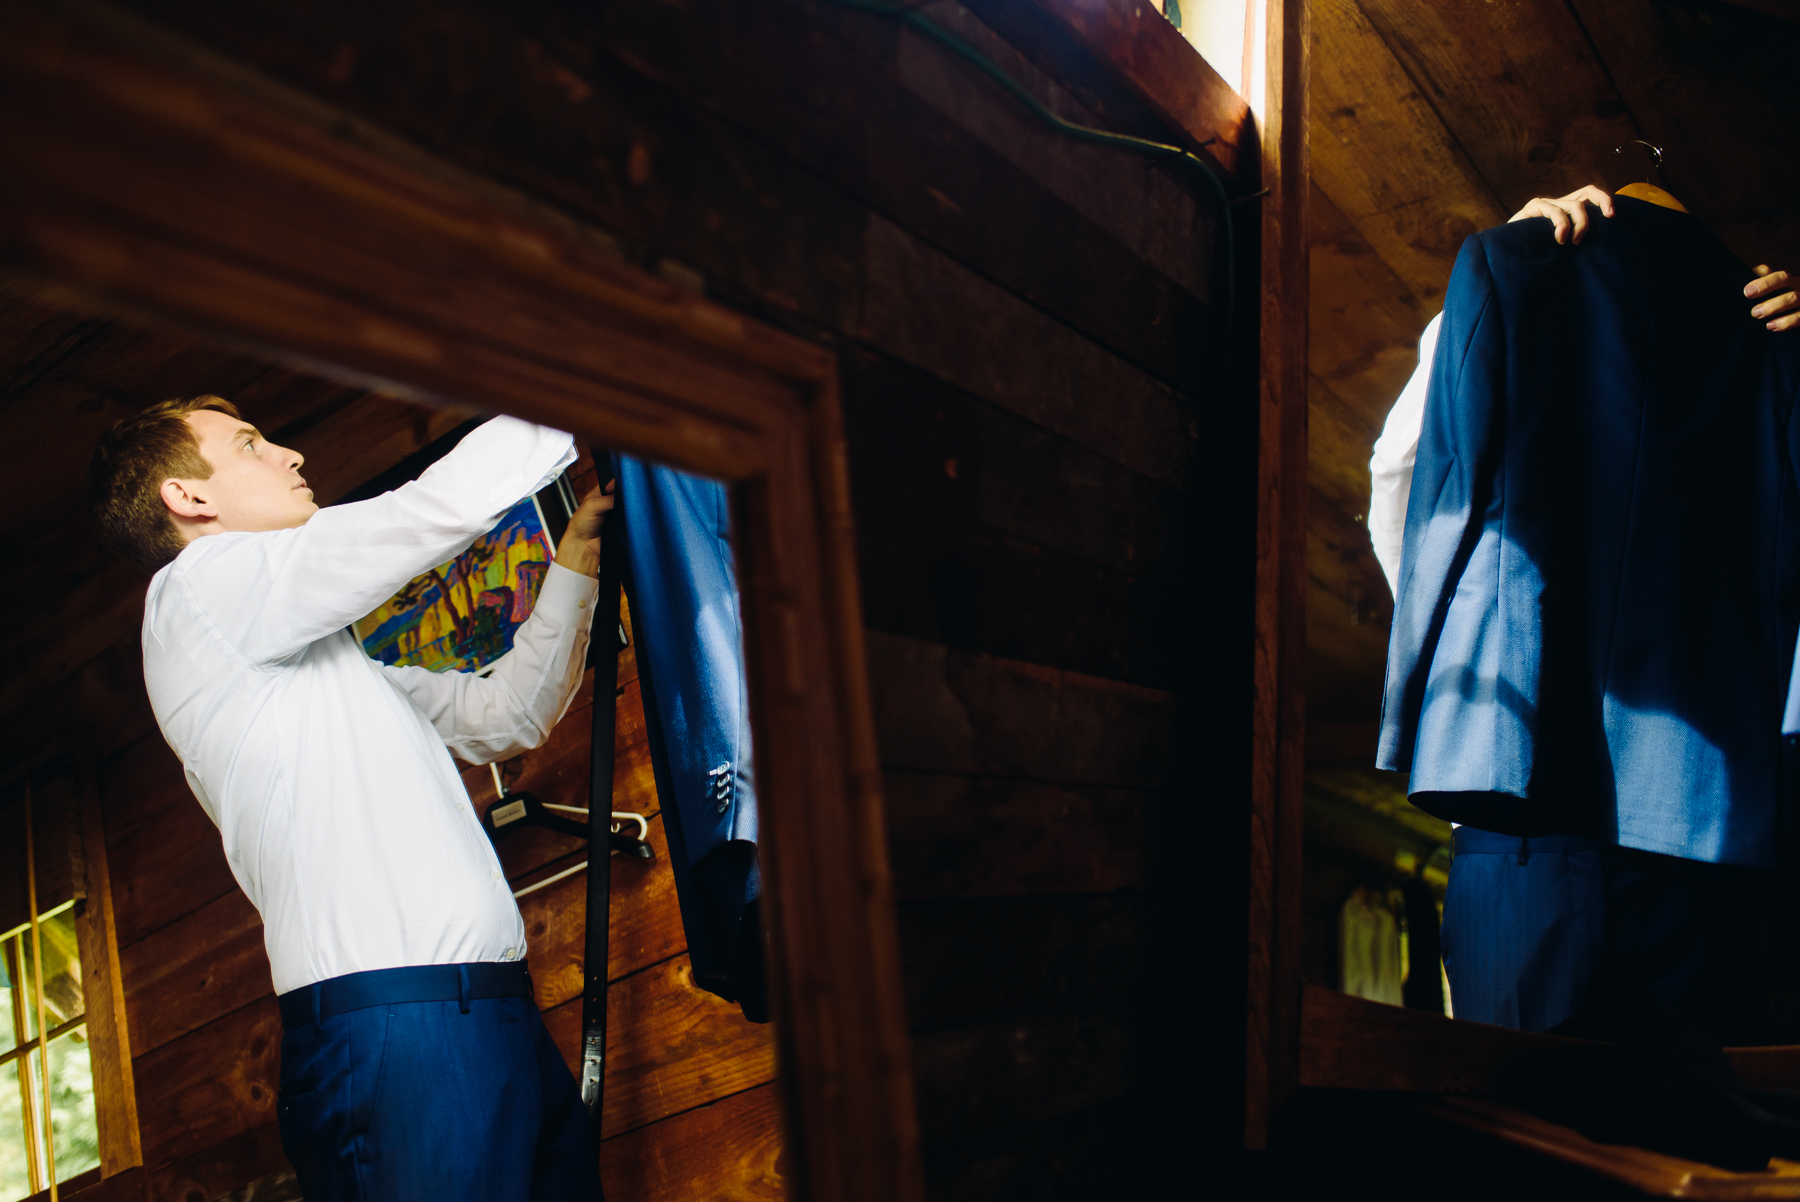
{"x":1656,"y":154}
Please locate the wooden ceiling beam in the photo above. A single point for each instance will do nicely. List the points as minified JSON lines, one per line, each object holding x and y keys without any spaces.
{"x":1134,"y":41}
{"x":1517,"y":86}
{"x":1384,"y":157}
{"x":1716,"y":95}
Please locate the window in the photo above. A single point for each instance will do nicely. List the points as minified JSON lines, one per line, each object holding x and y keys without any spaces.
{"x":48,"y":1125}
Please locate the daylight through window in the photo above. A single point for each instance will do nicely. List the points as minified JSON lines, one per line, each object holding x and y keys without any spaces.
{"x":46,"y":1081}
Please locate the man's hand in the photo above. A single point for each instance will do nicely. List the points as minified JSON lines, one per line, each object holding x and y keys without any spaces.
{"x":1567,"y":213}
{"x":579,"y":550}
{"x":1773,"y":282}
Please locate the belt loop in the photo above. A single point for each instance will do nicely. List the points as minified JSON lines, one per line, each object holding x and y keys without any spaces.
{"x":318,"y":994}
{"x":1524,"y":851}
{"x":462,"y":972}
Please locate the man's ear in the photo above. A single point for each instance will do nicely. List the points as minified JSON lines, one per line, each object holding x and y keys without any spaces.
{"x":183,"y":502}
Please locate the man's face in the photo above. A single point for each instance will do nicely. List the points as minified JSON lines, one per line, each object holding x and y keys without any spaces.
{"x":255,"y":484}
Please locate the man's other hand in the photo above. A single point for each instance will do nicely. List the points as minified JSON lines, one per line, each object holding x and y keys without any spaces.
{"x":1567,"y":213}
{"x":1787,"y":303}
{"x":579,"y":550}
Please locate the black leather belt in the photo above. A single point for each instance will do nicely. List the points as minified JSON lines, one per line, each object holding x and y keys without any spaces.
{"x":313,"y":1004}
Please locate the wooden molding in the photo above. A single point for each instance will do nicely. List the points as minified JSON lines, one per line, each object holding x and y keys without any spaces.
{"x":1351,"y":1043}
{"x":1134,"y":41}
{"x":140,"y":174}
{"x":115,"y":1094}
{"x":1272,"y":1033}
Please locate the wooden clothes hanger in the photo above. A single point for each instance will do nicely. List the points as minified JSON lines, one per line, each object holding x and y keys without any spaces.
{"x":1648,"y":191}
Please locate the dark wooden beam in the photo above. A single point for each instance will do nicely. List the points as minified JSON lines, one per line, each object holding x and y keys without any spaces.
{"x":1279,"y":705}
{"x":1135,"y":41}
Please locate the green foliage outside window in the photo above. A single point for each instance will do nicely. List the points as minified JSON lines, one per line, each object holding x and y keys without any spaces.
{"x":24,"y":1159}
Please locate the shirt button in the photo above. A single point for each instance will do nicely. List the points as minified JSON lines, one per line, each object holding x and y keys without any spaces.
{"x":581,"y":605}
{"x":496,"y":874}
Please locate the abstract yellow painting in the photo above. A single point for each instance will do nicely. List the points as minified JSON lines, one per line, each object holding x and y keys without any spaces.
{"x":460,"y":616}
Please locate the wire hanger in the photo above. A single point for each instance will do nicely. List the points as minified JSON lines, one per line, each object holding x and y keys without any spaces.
{"x":1656,"y":154}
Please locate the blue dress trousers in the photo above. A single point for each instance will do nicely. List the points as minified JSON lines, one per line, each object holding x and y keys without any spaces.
{"x":464,"y":1099}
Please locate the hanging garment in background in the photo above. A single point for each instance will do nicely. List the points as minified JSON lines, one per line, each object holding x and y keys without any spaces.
{"x":682,"y":585}
{"x":1369,"y":954}
{"x":1600,"y":579}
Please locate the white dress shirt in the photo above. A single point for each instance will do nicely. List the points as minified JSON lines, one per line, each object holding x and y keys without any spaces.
{"x":329,"y":774}
{"x":1391,"y":466}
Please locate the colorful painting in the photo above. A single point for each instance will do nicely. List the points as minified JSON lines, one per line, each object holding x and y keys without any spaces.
{"x":460,"y":616}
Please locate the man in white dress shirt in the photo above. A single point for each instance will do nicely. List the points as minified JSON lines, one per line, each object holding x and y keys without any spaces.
{"x":1526,"y":968}
{"x":414,"y":1063}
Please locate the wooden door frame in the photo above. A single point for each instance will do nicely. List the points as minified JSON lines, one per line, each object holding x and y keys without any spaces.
{"x":1278,"y":739}
{"x":141,"y":174}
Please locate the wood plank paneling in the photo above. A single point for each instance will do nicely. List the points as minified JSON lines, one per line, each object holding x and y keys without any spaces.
{"x":1384,"y":157}
{"x":1713,"y":89}
{"x":979,"y":590}
{"x":1156,"y":218}
{"x":729,"y":1151}
{"x":231,"y":1164}
{"x":1158,"y":64}
{"x":1519,"y":88}
{"x":195,"y":970}
{"x":959,"y":836}
{"x":971,"y":962}
{"x":1350,"y":1043}
{"x":924,"y":307}
{"x":777,"y":73}
{"x":943,"y":710}
{"x":932,"y":459}
{"x":644,"y":928}
{"x":669,"y":1047}
{"x":980,"y":1081}
{"x":166,"y":854}
{"x":211,"y":1084}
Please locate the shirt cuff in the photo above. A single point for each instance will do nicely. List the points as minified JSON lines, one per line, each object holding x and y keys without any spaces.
{"x":567,"y":596}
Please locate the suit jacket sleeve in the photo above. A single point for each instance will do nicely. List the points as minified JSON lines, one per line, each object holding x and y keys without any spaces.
{"x":1458,"y":441}
{"x":1790,"y":718}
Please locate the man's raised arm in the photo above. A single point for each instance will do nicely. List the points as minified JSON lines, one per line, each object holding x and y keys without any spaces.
{"x":512,"y":707}
{"x":269,"y":595}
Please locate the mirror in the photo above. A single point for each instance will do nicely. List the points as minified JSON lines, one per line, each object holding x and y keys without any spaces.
{"x":686,"y":1009}
{"x":253,"y":261}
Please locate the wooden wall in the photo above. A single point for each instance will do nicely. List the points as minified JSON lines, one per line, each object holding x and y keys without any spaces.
{"x":1051,"y":479}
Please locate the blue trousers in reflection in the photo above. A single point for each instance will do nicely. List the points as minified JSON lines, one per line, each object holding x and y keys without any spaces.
{"x":419,"y":1102}
{"x":1538,"y":932}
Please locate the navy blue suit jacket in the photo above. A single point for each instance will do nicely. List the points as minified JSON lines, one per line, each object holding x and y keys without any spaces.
{"x":682,"y":581}
{"x":1599,"y":591}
